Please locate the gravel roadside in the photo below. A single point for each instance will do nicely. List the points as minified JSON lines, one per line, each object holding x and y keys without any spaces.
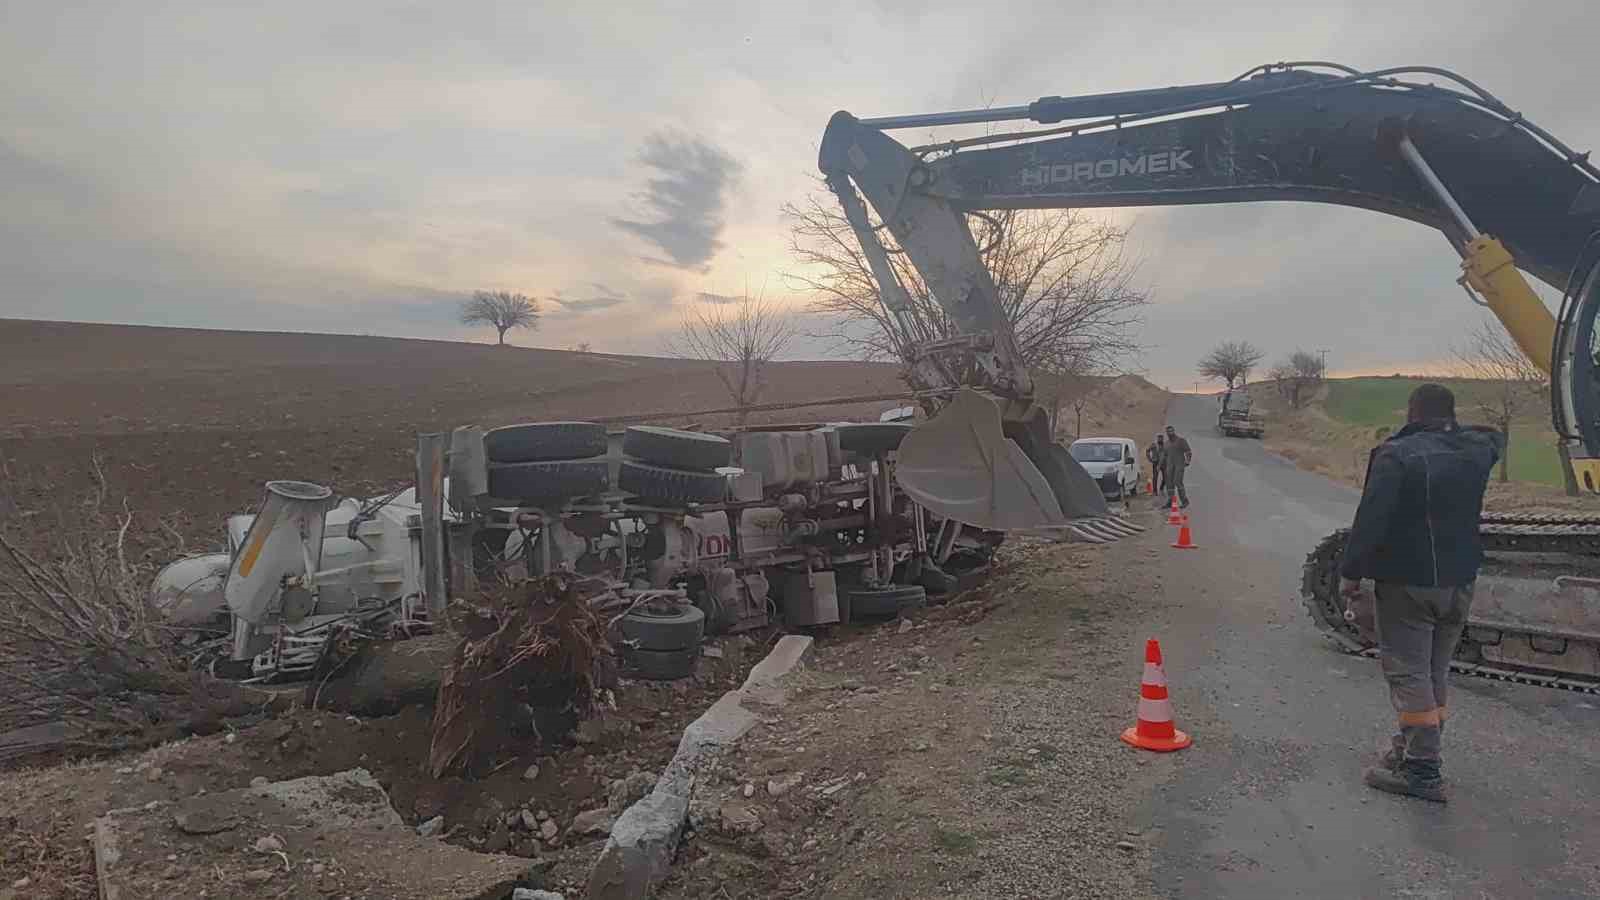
{"x":970,"y":752}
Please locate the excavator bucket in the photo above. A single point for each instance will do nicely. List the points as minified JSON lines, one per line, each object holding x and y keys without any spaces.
{"x":967,"y":464}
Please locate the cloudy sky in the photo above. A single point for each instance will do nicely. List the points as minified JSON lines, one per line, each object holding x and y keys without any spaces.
{"x":357,"y":166}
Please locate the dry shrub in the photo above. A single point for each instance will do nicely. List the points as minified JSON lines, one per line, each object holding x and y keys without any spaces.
{"x":54,"y":858}
{"x":78,"y":640}
{"x":530,"y":646}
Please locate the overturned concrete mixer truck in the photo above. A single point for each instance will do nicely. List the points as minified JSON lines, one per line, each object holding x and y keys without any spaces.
{"x":688,"y":532}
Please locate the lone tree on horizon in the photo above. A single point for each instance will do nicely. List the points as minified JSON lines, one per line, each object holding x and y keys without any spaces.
{"x":502,"y":310}
{"x":1231,"y":361}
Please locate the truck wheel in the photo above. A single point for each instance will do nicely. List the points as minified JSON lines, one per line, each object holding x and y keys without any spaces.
{"x":678,"y":629}
{"x":872,"y":438}
{"x":543,"y":441}
{"x":677,"y":449}
{"x":661,"y":665}
{"x":672,"y":485}
{"x":885,"y":603}
{"x":553,"y":480}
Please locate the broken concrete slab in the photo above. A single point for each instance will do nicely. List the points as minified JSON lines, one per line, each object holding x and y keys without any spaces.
{"x":639,"y":853}
{"x":334,"y":835}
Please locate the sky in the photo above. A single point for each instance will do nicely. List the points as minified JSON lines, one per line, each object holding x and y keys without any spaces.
{"x":359,"y":166}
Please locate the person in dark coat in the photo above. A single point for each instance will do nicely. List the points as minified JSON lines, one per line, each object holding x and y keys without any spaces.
{"x":1416,"y":536}
{"x":1157,"y":455}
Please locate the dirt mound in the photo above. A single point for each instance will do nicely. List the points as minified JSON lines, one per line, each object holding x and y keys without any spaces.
{"x":1126,"y":406}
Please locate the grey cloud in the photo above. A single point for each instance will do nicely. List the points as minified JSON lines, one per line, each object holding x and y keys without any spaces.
{"x":718,"y":299}
{"x":599,"y":296}
{"x":685,"y":199}
{"x":587,"y":304}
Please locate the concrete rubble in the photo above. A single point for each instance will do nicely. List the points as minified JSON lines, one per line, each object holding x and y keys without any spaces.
{"x":639,"y":854}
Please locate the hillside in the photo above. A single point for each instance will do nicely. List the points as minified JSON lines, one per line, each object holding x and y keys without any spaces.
{"x":1335,"y":432}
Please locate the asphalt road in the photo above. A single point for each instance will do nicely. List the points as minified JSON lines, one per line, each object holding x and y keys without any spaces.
{"x":1269,"y":800}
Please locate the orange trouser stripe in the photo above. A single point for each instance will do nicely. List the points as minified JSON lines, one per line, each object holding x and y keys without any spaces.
{"x":1431,"y":717}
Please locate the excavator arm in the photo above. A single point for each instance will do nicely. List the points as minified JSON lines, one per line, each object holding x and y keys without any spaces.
{"x":1443,"y":153}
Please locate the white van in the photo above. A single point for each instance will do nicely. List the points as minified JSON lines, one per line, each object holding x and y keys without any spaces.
{"x":1112,"y":461}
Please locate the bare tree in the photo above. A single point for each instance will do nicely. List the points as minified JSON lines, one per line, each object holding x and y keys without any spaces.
{"x":501,"y":310}
{"x":1065,"y":283}
{"x":1230,"y":362}
{"x":1298,"y":377}
{"x":1512,"y":384}
{"x":742,"y":338}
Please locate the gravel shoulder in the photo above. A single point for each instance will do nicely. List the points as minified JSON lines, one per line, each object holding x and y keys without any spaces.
{"x":972,"y":751}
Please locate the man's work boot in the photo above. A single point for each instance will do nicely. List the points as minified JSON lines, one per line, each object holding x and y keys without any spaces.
{"x":1414,"y":778}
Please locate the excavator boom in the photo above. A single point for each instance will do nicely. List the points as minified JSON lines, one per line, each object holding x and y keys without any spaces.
{"x":1321,"y":133}
{"x":1419,"y":143}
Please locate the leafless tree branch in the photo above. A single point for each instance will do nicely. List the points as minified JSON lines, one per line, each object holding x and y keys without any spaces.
{"x":1066,"y":284}
{"x":742,"y":339}
{"x":1512,"y":384}
{"x":1230,"y":362}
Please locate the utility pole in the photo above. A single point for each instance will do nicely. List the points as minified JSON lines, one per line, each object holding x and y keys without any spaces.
{"x":1324,"y":372}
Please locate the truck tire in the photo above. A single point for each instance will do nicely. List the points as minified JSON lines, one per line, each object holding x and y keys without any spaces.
{"x":661,"y":665}
{"x":885,"y":603}
{"x":673,"y":485}
{"x":872,"y":438}
{"x":677,"y":449}
{"x":543,"y":441}
{"x":552,"y":480}
{"x":680,"y":629}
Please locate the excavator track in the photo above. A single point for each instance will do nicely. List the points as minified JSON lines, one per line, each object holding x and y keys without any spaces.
{"x":1506,"y":537}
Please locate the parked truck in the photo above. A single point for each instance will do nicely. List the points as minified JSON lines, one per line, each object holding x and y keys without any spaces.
{"x":1235,"y":418}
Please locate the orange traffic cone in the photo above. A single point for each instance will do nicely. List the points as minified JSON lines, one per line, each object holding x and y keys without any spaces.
{"x":1184,"y":541}
{"x":1174,"y":516}
{"x":1155,"y":730}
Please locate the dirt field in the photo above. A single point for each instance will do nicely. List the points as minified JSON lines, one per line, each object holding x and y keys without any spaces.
{"x":189,"y":424}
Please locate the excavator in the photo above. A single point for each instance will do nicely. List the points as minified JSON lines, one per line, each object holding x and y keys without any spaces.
{"x":1417,"y":142}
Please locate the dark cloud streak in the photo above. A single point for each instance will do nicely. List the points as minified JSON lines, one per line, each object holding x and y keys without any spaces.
{"x":686,"y":199}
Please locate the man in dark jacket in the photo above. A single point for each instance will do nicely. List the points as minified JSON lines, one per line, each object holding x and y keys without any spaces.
{"x":1179,"y":456}
{"x":1157,"y":454}
{"x":1416,"y":537}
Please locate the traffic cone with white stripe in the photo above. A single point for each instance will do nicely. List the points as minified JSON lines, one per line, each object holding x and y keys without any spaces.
{"x":1155,"y":730}
{"x":1175,"y":516}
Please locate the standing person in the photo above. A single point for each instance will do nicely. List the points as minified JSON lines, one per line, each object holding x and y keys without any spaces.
{"x":1416,"y":536}
{"x":1157,"y":455}
{"x":1178,"y":457}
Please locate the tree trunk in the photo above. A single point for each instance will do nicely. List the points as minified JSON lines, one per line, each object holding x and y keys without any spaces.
{"x":502,"y":337}
{"x":1505,"y":456}
{"x":1077,"y":431}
